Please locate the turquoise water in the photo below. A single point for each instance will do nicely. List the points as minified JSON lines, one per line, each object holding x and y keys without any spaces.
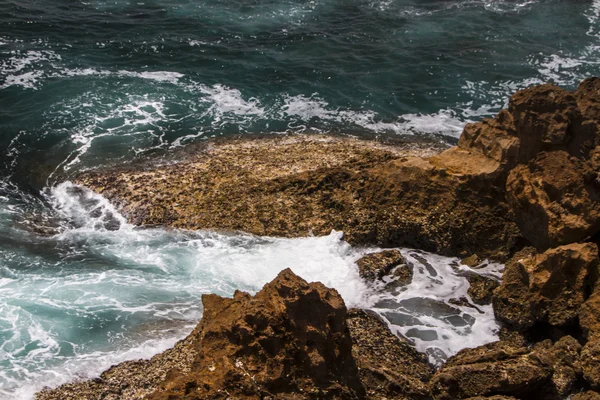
{"x":88,"y":83}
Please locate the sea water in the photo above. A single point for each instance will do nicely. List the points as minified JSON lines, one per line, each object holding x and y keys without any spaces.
{"x":90,"y":83}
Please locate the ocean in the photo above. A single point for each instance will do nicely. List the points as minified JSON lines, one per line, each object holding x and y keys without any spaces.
{"x":85,"y":84}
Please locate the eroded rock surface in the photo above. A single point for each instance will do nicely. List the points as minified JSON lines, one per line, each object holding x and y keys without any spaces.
{"x":377,"y":265}
{"x":547,"y":288}
{"x":389,"y":367}
{"x":555,"y":198}
{"x":545,"y":371}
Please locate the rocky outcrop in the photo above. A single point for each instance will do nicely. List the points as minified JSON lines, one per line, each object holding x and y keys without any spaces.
{"x":589,"y":395}
{"x":523,"y":186}
{"x":547,"y":288}
{"x":290,"y":338}
{"x":555,"y":199}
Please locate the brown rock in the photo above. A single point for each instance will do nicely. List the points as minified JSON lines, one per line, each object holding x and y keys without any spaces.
{"x":546,"y":288}
{"x":590,"y":363}
{"x":543,"y":116}
{"x":493,"y":398}
{"x":290,"y":338}
{"x":545,"y":371}
{"x":564,"y":359}
{"x":481,"y":288}
{"x":589,"y":395}
{"x":586,"y":133}
{"x":589,"y":316}
{"x":389,"y":367}
{"x":555,"y":199}
{"x":495,"y":138}
{"x":494,"y":369}
{"x":377,"y":265}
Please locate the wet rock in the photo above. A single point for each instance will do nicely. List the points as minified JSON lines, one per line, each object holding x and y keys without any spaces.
{"x":389,"y":367}
{"x":292,"y":337}
{"x":377,"y":265}
{"x":426,"y":335}
{"x":131,"y":379}
{"x":481,"y":288}
{"x":546,"y":288}
{"x":555,"y":199}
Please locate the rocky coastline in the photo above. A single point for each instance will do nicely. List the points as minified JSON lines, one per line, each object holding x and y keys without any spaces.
{"x":522,"y":188}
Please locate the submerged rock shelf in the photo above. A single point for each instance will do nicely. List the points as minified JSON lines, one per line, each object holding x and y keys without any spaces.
{"x":522,"y":188}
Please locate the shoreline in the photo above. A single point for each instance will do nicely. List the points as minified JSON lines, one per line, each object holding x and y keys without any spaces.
{"x":521,"y":188}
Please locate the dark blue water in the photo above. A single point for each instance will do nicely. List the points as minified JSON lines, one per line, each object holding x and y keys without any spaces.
{"x":84,"y":82}
{"x":88,"y":83}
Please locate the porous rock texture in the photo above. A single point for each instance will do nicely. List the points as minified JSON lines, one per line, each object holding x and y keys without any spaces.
{"x":375,"y":266}
{"x":548,"y":288}
{"x":544,"y":371}
{"x":522,"y":186}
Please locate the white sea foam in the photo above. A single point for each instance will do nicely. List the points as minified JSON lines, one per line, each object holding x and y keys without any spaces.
{"x":307,"y":108}
{"x":151,"y":280}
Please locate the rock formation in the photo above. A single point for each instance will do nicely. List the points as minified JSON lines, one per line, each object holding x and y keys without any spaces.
{"x":548,"y":288}
{"x":522,"y":187}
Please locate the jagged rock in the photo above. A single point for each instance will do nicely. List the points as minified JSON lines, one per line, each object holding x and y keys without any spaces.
{"x":492,"y":398}
{"x":389,"y":367}
{"x":481,"y":288}
{"x":545,"y":371}
{"x":290,"y":338}
{"x":376,"y":265}
{"x":555,"y":199}
{"x":546,"y":288}
{"x":543,"y":116}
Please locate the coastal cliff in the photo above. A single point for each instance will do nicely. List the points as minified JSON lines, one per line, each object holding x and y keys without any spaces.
{"x":522,"y":188}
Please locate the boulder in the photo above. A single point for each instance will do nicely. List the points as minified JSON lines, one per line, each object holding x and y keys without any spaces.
{"x":291,"y":338}
{"x":546,"y":288}
{"x":389,"y":367}
{"x":555,"y":199}
{"x":375,"y":266}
